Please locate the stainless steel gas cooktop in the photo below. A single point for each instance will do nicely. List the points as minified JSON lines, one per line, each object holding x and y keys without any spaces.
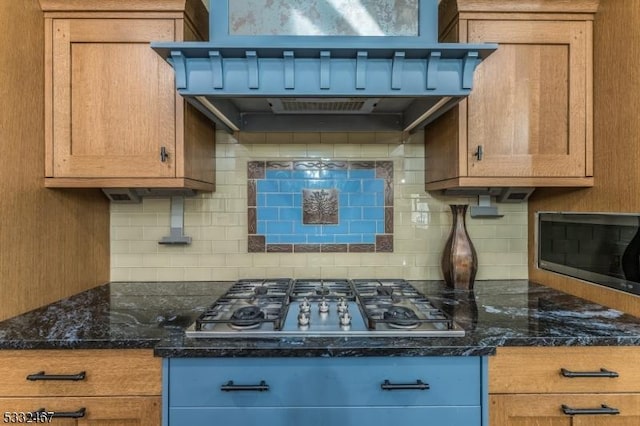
{"x":322,"y":307}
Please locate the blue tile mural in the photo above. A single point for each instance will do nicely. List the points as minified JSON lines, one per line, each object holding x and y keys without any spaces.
{"x":320,"y":206}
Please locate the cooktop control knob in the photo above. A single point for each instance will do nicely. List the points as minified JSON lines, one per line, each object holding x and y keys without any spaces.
{"x":342,"y":305}
{"x":303,"y":319}
{"x":345,"y":319}
{"x":304,"y":306}
{"x":323,"y":306}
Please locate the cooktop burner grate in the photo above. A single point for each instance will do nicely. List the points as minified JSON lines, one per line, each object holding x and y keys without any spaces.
{"x":316,"y":289}
{"x":323,"y":307}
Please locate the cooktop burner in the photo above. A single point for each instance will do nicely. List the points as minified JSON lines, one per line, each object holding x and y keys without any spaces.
{"x":400,"y":317}
{"x":246,"y":317}
{"x":322,"y":307}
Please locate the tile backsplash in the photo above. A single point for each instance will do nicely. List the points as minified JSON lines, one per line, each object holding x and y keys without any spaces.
{"x":218,"y":222}
{"x":320,"y":205}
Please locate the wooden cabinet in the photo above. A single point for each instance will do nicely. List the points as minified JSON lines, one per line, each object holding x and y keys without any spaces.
{"x":595,"y":386}
{"x":112,"y":115}
{"x":130,"y":411}
{"x":528,"y":121}
{"x":541,"y":409}
{"x":83,"y":387}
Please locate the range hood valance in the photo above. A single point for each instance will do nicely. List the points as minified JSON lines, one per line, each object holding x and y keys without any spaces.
{"x":323,"y":82}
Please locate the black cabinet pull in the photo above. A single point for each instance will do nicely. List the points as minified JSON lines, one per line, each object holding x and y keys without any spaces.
{"x":602,"y":373}
{"x":64,"y":414}
{"x":230,"y":387}
{"x":163,"y":154}
{"x":479,"y":153}
{"x":604,"y":409}
{"x":42,"y":376}
{"x":418,"y":385}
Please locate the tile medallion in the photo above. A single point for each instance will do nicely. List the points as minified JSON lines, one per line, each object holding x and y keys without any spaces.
{"x":315,"y":206}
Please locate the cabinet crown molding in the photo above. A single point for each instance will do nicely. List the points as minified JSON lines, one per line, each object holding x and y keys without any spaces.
{"x":521,"y":6}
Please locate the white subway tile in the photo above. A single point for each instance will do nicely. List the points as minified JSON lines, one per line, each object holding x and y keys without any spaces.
{"x":252,"y":137}
{"x":120,"y":247}
{"x":361,"y":138}
{"x":318,"y":150}
{"x":375,"y":151}
{"x":279,"y":138}
{"x":142,"y":246}
{"x":143,"y":274}
{"x":155,"y":205}
{"x":348,"y":151}
{"x":198,"y":274}
{"x":171,"y":274}
{"x":212,"y":260}
{"x":337,"y":138}
{"x":293,"y":151}
{"x":306,"y":137}
{"x":184,"y":260}
{"x":218,"y":222}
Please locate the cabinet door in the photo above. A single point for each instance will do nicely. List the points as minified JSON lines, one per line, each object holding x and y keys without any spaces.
{"x":529,"y":105}
{"x":113,"y":100}
{"x":546,"y":409}
{"x":121,"y":411}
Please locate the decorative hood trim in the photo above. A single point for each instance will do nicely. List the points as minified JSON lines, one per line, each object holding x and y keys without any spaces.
{"x":326,"y":83}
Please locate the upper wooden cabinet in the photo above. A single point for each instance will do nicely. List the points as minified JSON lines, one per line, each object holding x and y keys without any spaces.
{"x":113,"y":117}
{"x":528,"y":120}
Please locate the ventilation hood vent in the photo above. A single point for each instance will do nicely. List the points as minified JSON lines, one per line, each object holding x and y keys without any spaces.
{"x":322,"y":105}
{"x":384,"y":75}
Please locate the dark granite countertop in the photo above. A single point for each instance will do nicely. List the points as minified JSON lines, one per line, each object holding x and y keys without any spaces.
{"x":154,"y":315}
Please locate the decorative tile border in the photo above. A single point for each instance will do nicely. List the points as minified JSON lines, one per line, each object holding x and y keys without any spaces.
{"x":320,"y":206}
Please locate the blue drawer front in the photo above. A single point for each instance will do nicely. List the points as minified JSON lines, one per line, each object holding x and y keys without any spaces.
{"x":315,"y":382}
{"x":314,"y":416}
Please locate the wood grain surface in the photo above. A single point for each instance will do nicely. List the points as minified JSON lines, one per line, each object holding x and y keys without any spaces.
{"x":52,"y":244}
{"x":616,"y":151}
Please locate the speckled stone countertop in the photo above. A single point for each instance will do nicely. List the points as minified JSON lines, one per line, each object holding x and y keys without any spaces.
{"x":154,"y":315}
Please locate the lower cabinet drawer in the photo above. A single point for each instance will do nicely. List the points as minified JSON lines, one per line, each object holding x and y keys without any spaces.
{"x":564,"y":369}
{"x":315,"y":382}
{"x":549,"y":409}
{"x":141,"y":411}
{"x":80,"y":372}
{"x":315,"y":416}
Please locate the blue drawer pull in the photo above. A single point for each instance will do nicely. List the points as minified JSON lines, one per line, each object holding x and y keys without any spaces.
{"x":230,"y":387}
{"x":605,"y":409}
{"x":418,"y":385}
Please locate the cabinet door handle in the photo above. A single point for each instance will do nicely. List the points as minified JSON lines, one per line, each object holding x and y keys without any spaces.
{"x":42,"y":376}
{"x":479,"y":152}
{"x":64,"y":414}
{"x":418,"y":385}
{"x":230,"y":387}
{"x":604,"y":409}
{"x":163,"y":154}
{"x":602,"y":373}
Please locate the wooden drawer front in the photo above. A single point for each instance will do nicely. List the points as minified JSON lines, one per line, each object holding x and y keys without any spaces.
{"x":314,"y":416}
{"x":107,"y":372}
{"x":295,"y":382}
{"x":538,"y":370}
{"x":141,"y":411}
{"x":546,"y":409}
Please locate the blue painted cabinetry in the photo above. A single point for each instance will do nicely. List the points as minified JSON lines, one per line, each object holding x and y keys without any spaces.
{"x":323,"y":391}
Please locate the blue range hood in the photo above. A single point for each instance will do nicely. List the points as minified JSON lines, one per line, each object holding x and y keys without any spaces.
{"x":266,"y":82}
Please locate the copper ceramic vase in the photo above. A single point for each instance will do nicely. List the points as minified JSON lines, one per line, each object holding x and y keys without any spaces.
{"x":459,"y":259}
